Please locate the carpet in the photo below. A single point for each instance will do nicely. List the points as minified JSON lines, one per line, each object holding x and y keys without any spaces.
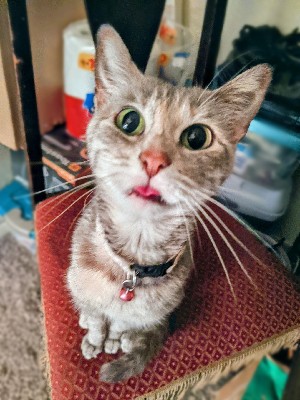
{"x":21,"y":376}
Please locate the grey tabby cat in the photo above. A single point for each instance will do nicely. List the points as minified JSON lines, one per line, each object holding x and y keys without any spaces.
{"x":157,"y":153}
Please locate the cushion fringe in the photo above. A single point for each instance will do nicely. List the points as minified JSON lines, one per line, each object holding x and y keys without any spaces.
{"x":215,"y":371}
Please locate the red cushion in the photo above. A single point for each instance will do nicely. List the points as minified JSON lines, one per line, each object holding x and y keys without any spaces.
{"x":215,"y":332}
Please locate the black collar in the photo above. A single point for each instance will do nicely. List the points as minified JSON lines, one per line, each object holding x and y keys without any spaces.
{"x":152,"y":271}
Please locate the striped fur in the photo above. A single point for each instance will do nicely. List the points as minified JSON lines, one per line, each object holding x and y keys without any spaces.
{"x":117,"y":229}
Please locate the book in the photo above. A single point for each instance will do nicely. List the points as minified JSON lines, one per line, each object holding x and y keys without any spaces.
{"x":65,"y":160}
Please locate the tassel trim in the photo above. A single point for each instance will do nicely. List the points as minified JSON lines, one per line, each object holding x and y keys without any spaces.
{"x":213,"y":372}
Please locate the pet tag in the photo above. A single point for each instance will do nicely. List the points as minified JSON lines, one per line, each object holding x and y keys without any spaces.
{"x":127,"y":291}
{"x":126,"y":294}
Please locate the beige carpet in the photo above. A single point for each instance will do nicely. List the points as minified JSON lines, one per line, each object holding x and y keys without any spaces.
{"x":20,"y":324}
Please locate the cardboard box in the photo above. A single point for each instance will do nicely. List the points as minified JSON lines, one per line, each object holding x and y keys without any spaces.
{"x":11,"y":123}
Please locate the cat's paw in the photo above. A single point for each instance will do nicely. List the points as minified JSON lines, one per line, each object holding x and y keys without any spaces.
{"x":88,"y":350}
{"x":127,"y":343}
{"x":83,"y":321}
{"x":111,"y":346}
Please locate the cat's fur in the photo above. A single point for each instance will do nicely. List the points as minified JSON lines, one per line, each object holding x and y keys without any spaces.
{"x":117,"y":229}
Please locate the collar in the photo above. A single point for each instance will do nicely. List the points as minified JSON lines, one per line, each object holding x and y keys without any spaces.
{"x":152,"y":271}
{"x":156,"y":270}
{"x":142,"y":271}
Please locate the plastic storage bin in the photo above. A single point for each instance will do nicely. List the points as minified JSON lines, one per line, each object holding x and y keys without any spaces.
{"x":261,"y":183}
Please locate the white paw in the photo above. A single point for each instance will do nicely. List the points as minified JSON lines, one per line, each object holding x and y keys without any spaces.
{"x":111,"y":346}
{"x":126,"y":343}
{"x":88,"y":350}
{"x":83,"y":321}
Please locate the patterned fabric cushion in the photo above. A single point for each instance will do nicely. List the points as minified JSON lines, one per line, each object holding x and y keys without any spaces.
{"x":214,"y":331}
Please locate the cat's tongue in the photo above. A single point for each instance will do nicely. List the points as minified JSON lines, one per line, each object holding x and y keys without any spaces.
{"x":147,"y":192}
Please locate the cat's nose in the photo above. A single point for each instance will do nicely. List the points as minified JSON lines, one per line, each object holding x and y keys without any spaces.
{"x":153,"y":161}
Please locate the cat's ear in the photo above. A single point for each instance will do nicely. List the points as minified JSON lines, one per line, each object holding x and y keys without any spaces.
{"x":114,"y":69}
{"x":240,"y":99}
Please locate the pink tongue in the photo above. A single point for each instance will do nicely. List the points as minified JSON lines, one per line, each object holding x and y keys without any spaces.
{"x":146,"y":191}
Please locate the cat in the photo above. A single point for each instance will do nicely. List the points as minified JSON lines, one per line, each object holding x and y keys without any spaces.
{"x":157,"y":153}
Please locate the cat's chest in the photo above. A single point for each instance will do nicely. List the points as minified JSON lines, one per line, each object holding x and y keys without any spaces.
{"x":142,"y":238}
{"x":149,"y":305}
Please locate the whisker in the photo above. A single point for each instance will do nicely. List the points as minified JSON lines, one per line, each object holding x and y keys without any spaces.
{"x":77,"y":216}
{"x":214,"y":245}
{"x":71,"y":205}
{"x":59,"y":163}
{"x":64,"y":196}
{"x":207,"y":196}
{"x":238,"y":241}
{"x":53,"y":187}
{"x":185,"y":183}
{"x":74,"y":190}
{"x":237,"y":218}
{"x":223,"y":237}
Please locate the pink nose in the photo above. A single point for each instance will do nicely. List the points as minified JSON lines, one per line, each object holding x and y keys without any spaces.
{"x":153,"y":161}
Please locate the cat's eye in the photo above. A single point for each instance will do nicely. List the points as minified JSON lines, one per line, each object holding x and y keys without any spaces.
{"x":196,"y":137}
{"x":130,"y":121}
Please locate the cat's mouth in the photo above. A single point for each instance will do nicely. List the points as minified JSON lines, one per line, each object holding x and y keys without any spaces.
{"x":147,"y":193}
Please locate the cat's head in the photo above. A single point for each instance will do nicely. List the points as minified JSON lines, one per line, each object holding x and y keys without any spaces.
{"x":153,"y":145}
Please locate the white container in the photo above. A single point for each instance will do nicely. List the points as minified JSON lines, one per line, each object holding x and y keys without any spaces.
{"x":79,"y":77}
{"x":79,"y":58}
